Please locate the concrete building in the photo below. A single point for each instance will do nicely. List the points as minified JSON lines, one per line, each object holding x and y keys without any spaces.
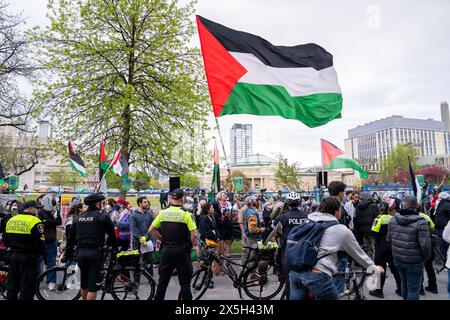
{"x":38,"y":177}
{"x":260,"y":170}
{"x":373,"y":141}
{"x":241,"y":141}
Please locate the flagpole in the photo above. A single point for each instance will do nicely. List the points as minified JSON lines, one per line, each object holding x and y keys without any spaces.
{"x":106,"y":172}
{"x":223,"y":148}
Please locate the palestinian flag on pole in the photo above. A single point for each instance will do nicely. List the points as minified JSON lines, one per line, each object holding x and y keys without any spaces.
{"x":334,"y":158}
{"x":103,"y":167}
{"x":76,"y":162}
{"x":2,"y":174}
{"x":120,"y":165}
{"x":417,"y":189}
{"x":215,"y":182}
{"x":248,"y":75}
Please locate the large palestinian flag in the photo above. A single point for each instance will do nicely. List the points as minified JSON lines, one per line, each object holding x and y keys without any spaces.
{"x":248,"y":75}
{"x":334,"y":158}
{"x":120,"y":165}
{"x":76,"y":162}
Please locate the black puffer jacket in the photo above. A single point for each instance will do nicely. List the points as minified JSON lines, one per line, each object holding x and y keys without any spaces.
{"x":366,"y":211}
{"x":409,"y":235}
{"x":442,"y":215}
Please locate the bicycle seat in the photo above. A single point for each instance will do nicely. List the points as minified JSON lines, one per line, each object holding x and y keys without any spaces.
{"x":253,"y":246}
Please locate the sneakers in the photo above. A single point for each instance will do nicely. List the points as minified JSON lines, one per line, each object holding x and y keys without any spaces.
{"x":432,"y":289}
{"x":377,"y":293}
{"x":51,"y":286}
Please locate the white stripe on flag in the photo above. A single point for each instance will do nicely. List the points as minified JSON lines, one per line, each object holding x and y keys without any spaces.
{"x":297,"y":81}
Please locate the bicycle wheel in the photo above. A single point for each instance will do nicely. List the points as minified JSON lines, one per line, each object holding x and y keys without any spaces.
{"x":3,"y":282}
{"x":263,"y":281}
{"x":200,"y":282}
{"x":67,"y":286}
{"x":132,"y":285}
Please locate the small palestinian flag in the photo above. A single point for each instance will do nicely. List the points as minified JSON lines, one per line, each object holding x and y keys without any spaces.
{"x":334,"y":158}
{"x":2,"y":174}
{"x":215,"y":182}
{"x":76,"y":162}
{"x":248,"y":75}
{"x":120,"y":165}
{"x":103,"y":166}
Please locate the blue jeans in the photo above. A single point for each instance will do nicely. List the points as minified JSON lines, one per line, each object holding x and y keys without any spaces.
{"x":50,"y":250}
{"x":411,"y":279}
{"x":339,"y":280}
{"x":320,"y":284}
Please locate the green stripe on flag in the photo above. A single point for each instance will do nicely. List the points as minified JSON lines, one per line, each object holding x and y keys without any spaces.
{"x":346,"y":163}
{"x":270,"y":100}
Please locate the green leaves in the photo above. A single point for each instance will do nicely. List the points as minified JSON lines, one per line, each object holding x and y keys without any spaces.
{"x":124,"y":69}
{"x":288,"y":175}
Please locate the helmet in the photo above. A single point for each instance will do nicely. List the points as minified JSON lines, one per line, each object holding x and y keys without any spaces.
{"x":211,"y":243}
{"x":293,"y":199}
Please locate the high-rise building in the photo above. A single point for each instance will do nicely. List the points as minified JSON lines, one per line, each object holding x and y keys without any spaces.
{"x":241,"y":141}
{"x":373,"y":141}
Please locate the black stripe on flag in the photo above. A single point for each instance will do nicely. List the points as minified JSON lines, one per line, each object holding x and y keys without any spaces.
{"x":75,"y":157}
{"x":301,"y":56}
{"x":413,"y":177}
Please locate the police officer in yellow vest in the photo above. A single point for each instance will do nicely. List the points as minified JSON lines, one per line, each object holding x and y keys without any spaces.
{"x":25,"y":237}
{"x":177,"y":232}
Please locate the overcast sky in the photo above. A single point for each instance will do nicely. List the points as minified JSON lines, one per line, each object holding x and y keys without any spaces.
{"x":391,"y":57}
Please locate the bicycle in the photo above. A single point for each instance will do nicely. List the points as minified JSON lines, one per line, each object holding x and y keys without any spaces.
{"x":4,"y":257}
{"x":260,"y":278}
{"x":121,"y":280}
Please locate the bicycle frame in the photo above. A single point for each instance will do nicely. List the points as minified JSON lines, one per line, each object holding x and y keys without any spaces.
{"x":226,"y":265}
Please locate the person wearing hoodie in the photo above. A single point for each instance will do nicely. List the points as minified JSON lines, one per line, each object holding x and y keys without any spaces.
{"x":442,"y":217}
{"x":446,"y":237}
{"x":409,"y":235}
{"x":319,"y":280}
{"x":366,"y":212}
{"x":51,"y":218}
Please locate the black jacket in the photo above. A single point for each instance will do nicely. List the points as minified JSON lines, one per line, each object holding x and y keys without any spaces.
{"x":442,"y":215}
{"x":50,"y":224}
{"x":409,"y":235}
{"x":208,"y":228}
{"x":365,"y":213}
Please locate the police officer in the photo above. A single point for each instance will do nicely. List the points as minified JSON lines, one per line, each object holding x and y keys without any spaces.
{"x":88,"y":235}
{"x":177,"y":232}
{"x":25,"y":237}
{"x":288,"y":221}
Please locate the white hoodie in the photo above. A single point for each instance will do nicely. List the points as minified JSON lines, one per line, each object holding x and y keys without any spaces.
{"x":337,"y":238}
{"x":446,"y":237}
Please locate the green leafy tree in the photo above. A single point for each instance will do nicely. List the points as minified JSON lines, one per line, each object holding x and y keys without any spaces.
{"x":113,"y":181}
{"x":189,"y":180}
{"x":288,"y":175}
{"x":397,"y":161}
{"x":124,"y":69}
{"x":141,"y":181}
{"x":234,"y":174}
{"x":64,"y":178}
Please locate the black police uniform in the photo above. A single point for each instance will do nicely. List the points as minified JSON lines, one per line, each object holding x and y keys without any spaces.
{"x":25,"y":237}
{"x":175,"y":226}
{"x":88,"y":235}
{"x":289,"y":220}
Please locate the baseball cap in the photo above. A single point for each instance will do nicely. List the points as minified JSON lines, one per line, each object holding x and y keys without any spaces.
{"x":177,"y":194}
{"x":32,"y":204}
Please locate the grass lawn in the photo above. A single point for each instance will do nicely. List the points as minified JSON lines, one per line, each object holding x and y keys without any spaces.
{"x":237,"y":246}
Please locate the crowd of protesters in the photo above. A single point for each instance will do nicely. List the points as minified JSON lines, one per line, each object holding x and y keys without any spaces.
{"x":394,"y":232}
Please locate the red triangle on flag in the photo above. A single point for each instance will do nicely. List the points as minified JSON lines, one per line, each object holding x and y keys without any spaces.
{"x":223,"y":71}
{"x":329,"y":152}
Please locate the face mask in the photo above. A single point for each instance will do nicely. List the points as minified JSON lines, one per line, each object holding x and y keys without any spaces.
{"x":117,"y":207}
{"x":108,"y":207}
{"x":8,"y":208}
